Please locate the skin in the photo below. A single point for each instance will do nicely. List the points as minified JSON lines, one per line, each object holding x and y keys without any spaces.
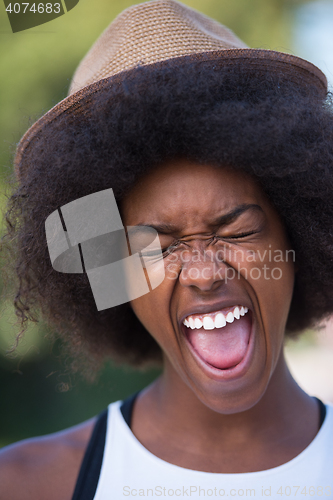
{"x":189,"y":417}
{"x":263,"y":416}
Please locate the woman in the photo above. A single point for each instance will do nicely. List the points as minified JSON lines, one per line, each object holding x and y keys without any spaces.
{"x":226,"y":153}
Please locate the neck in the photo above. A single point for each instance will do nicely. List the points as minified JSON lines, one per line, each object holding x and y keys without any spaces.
{"x":283,"y":409}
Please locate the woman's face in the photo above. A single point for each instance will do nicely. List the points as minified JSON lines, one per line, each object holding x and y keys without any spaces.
{"x":229,"y":253}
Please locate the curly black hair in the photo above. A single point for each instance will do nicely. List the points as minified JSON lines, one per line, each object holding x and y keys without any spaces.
{"x":260,"y":122}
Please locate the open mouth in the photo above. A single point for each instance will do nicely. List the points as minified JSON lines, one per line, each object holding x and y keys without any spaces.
{"x":221,"y":338}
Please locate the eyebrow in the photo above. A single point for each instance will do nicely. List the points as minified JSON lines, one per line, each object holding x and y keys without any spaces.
{"x":223,"y":220}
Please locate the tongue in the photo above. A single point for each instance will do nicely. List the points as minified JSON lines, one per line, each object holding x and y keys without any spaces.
{"x":222,"y":347}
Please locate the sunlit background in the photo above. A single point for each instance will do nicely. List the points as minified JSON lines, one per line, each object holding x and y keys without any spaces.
{"x":38,"y":394}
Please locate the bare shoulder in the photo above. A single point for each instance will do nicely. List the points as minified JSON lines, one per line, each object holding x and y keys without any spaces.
{"x":44,"y":467}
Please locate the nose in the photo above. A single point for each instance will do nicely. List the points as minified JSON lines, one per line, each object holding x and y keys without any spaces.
{"x":203,"y":270}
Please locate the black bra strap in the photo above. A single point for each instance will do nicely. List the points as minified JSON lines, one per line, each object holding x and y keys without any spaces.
{"x":90,"y":470}
{"x":322,"y":410}
{"x":127,"y":408}
{"x":87,"y":481}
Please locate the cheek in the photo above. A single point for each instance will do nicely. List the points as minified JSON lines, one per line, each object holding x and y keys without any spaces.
{"x":274,"y":290}
{"x":270,"y":271}
{"x":153,"y":311}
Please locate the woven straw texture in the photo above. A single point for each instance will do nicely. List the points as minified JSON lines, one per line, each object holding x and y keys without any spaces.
{"x":154,"y":33}
{"x":150,"y":32}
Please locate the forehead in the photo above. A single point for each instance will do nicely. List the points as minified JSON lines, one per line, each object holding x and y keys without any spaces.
{"x":189,"y":193}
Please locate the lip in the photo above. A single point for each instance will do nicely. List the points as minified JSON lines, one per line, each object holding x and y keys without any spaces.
{"x":211,"y":308}
{"x":218,"y":374}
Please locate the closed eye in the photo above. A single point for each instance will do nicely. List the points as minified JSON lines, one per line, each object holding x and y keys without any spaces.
{"x":242,"y":235}
{"x":157,"y":252}
{"x":170,"y":248}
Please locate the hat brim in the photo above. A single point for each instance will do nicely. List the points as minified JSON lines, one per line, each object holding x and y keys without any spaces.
{"x":296,"y":69}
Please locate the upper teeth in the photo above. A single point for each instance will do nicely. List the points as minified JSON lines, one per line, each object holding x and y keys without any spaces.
{"x":213,"y":320}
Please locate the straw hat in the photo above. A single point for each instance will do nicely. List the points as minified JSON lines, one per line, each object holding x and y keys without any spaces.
{"x":154,"y":33}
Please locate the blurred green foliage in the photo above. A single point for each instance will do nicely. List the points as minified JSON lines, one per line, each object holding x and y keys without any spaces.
{"x":37,"y":394}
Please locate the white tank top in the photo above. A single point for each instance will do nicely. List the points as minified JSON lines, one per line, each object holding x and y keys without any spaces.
{"x":129,"y":470}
